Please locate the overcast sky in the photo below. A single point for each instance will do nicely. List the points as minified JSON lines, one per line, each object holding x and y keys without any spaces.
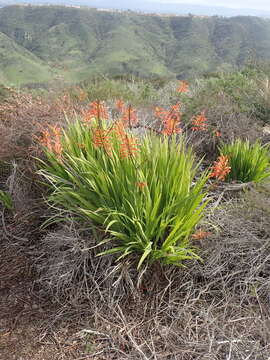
{"x":244,"y":4}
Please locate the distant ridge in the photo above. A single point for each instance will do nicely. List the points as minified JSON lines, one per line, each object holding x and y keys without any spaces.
{"x":151,"y":7}
{"x":67,"y":44}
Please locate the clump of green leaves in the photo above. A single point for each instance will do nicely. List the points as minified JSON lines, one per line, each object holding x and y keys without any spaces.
{"x":248,"y":162}
{"x":144,"y":196}
{"x":6,"y":200}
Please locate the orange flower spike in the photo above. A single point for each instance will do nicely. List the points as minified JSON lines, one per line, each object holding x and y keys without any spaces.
{"x":172,"y":121}
{"x":161,"y":113}
{"x":141,"y":185}
{"x":86,"y":116}
{"x":56,"y":131}
{"x":199,"y":123}
{"x":57,"y":144}
{"x":175,"y":108}
{"x":120,"y":105}
{"x":200,"y":235}
{"x":51,"y":139}
{"x":128,"y":147}
{"x":221,"y":168}
{"x":183,"y":87}
{"x":97,"y":110}
{"x":101,"y":139}
{"x":45,"y":140}
{"x":58,"y":148}
{"x":101,"y":110}
{"x":129,"y":116}
{"x":119,"y":130}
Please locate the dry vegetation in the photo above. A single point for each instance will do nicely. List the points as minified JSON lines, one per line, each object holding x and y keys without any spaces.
{"x":59,"y":301}
{"x":23,"y":116}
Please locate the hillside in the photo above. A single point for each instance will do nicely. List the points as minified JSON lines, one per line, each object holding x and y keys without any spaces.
{"x":72,"y":44}
{"x":18,"y":64}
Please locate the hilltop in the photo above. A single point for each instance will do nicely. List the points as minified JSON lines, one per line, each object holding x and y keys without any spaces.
{"x":152,"y":6}
{"x":57,"y":43}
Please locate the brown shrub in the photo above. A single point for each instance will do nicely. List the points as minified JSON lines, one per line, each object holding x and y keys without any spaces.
{"x":23,"y":116}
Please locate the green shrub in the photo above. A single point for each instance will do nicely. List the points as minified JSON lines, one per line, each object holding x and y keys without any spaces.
{"x":146,"y":197}
{"x":248,"y":162}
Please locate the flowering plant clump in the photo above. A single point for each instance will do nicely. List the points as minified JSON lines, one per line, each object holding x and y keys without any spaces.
{"x":145,"y":195}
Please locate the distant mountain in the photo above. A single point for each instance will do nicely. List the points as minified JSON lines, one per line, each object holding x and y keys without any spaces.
{"x":48,"y":43}
{"x":151,"y":7}
{"x":170,"y":8}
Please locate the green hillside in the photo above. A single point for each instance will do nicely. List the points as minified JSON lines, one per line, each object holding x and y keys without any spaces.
{"x":19,"y":64}
{"x":45,"y":43}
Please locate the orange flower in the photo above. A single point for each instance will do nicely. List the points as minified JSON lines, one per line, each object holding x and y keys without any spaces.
{"x":120,"y":105}
{"x":128,"y":144}
{"x":128,"y":147}
{"x":119,"y":130}
{"x":101,"y":139}
{"x":199,"y":123}
{"x":172,"y":121}
{"x":183,"y":87}
{"x":220,"y":169}
{"x":51,"y":139}
{"x":97,"y":110}
{"x":200,"y":234}
{"x":160,"y":112}
{"x":129,"y":116}
{"x":45,"y":139}
{"x":141,"y":185}
{"x":217,"y":133}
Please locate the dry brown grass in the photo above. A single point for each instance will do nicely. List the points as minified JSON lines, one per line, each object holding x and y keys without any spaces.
{"x":78,"y":306}
{"x":218,"y":309}
{"x":231,"y":126}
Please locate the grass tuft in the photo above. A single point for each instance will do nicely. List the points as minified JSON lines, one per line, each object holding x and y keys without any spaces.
{"x":248,"y":162}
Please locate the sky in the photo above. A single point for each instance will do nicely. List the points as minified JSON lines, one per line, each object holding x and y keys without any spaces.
{"x":244,"y":4}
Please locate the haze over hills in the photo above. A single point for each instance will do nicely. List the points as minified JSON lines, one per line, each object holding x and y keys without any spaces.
{"x":48,"y":43}
{"x":151,"y":6}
